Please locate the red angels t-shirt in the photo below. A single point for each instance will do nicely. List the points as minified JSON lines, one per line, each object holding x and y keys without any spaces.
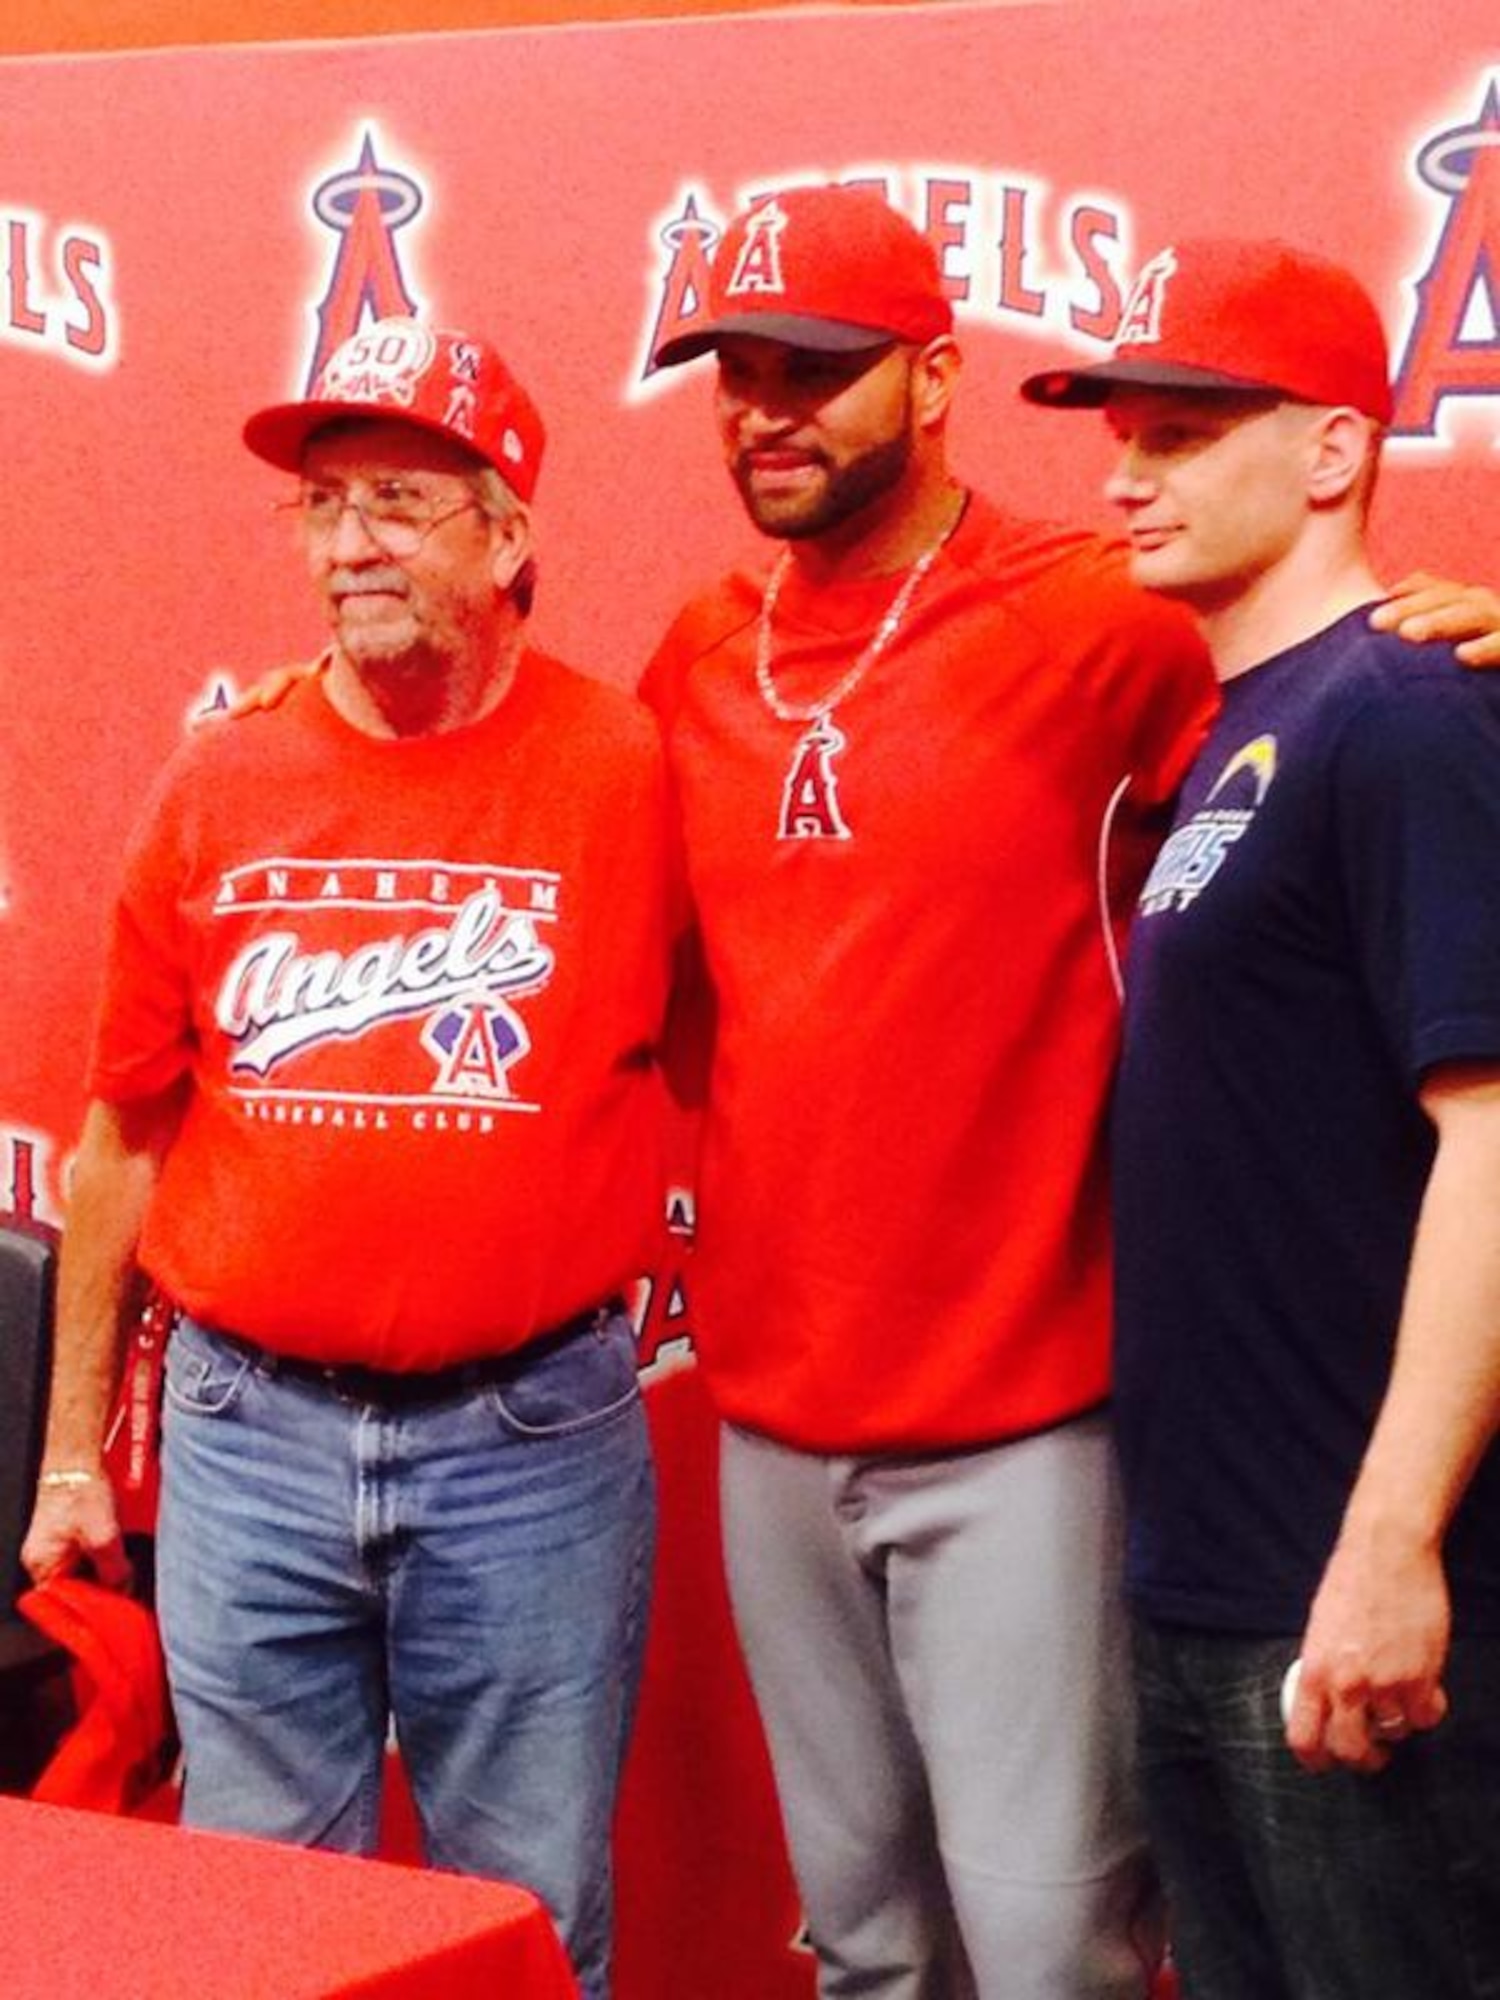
{"x":417,"y":986}
{"x":908,"y":915}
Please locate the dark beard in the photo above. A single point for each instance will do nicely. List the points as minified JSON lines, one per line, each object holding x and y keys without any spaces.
{"x":849,"y":491}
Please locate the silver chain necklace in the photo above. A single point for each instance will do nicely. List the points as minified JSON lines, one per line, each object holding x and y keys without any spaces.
{"x":885,"y":631}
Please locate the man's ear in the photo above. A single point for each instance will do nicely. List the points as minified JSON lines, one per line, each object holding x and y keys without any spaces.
{"x":1342,"y":443}
{"x":934,"y":377}
{"x":510,"y":546}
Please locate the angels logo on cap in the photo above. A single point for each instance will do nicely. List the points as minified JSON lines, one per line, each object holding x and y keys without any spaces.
{"x":1227,"y":314}
{"x":757,"y":267}
{"x":1140,"y":321}
{"x":441,"y":380}
{"x":831,"y":268}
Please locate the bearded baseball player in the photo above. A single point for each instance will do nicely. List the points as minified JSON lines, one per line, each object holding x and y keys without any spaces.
{"x":374,"y":1103}
{"x":900,"y":751}
{"x":1307,"y":1178}
{"x":922,"y":759}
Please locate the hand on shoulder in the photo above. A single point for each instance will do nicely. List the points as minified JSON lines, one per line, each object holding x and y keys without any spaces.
{"x":269,"y":691}
{"x":1422,"y":607}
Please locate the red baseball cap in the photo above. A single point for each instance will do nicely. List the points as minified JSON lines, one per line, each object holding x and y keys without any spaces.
{"x":831,"y":268}
{"x":434,"y":377}
{"x":1221,"y":314}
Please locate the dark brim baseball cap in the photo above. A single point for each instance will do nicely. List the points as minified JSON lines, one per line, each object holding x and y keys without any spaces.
{"x":1089,"y":388}
{"x":1244,"y":316}
{"x":831,"y":268}
{"x":823,"y":336}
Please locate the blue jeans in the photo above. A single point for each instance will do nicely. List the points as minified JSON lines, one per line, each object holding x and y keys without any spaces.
{"x":475,"y":1570}
{"x":1285,"y":1885}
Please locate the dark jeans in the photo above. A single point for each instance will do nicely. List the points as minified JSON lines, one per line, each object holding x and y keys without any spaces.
{"x":1283,"y":1885}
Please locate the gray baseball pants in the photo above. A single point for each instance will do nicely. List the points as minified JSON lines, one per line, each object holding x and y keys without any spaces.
{"x":937,"y":1647}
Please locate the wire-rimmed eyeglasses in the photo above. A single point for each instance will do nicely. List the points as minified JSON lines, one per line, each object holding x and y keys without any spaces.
{"x":396,"y":515}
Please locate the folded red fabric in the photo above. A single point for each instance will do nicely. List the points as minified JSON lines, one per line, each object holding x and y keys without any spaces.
{"x":111,"y":1758}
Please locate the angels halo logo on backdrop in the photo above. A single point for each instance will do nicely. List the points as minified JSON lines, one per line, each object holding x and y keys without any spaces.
{"x":365,"y":204}
{"x":1451,"y":350}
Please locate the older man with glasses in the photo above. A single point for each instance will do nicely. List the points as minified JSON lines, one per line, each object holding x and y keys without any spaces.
{"x":374,"y":1102}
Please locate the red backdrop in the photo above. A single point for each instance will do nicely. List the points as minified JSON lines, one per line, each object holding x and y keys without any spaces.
{"x":182,"y":232}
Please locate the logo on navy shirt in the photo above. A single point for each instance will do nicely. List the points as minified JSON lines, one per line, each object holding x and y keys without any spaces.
{"x":1197,"y":850}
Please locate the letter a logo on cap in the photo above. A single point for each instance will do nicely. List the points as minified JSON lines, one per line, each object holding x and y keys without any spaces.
{"x":1140,"y":322}
{"x":758,"y":266}
{"x":462,"y":408}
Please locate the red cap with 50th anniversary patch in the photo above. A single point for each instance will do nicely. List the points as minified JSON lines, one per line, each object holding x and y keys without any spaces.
{"x":435,"y":377}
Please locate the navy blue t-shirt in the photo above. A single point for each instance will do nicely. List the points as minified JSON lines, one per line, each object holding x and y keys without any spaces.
{"x":1320,"y":929}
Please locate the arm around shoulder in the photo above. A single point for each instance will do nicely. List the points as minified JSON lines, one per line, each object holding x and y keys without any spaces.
{"x":1423,"y":606}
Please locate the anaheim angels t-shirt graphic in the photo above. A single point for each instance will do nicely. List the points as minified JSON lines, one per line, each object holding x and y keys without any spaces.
{"x":367,"y":990}
{"x":1196,"y":851}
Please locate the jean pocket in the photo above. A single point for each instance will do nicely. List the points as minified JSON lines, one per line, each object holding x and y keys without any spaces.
{"x":204,"y":1375}
{"x":579,"y":1386}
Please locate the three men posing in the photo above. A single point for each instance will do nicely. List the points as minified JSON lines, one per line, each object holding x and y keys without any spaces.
{"x":919,"y":766}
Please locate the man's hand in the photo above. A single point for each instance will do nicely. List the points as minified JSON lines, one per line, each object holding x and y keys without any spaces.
{"x":1422,"y":606}
{"x":1372,"y":1657}
{"x":115,"y":1171}
{"x":73,"y":1525}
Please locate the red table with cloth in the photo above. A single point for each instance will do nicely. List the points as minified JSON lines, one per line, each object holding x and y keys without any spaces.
{"x":99,"y":1908}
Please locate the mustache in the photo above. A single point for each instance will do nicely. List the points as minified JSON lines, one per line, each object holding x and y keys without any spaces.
{"x":744,"y":465}
{"x":350,"y":582}
{"x":748,"y":454}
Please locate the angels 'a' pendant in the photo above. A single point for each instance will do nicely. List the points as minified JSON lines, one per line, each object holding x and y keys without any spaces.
{"x":810,"y":796}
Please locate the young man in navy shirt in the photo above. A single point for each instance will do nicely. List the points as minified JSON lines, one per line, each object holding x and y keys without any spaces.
{"x":1307,"y":1179}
